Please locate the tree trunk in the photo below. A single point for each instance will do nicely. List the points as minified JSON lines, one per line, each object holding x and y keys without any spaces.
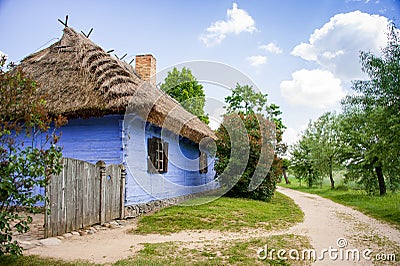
{"x":331,"y":179}
{"x":381,"y":180}
{"x":285,"y":176}
{"x":331,"y":174}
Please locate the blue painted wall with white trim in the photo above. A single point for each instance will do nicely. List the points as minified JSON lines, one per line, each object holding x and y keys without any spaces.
{"x":115,"y":140}
{"x":183,"y":175}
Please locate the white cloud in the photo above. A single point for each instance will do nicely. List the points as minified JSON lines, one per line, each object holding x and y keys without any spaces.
{"x":257,"y":60}
{"x":271,"y":47}
{"x":237,"y":21}
{"x":337,"y":44}
{"x":313,"y":88}
{"x":290,"y":136}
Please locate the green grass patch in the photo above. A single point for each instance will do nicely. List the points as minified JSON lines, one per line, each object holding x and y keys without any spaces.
{"x":236,"y":252}
{"x":386,"y":208}
{"x":224,"y":214}
{"x":39,"y":261}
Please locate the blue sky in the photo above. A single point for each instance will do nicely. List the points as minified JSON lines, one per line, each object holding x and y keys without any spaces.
{"x":303,"y":53}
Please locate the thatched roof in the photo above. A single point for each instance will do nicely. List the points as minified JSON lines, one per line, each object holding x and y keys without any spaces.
{"x":80,"y":79}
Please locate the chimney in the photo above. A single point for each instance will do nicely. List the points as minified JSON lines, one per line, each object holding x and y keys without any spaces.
{"x":146,"y":68}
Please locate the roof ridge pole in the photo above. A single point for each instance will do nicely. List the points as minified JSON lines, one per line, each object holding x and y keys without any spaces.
{"x":87,"y":35}
{"x":66,"y":21}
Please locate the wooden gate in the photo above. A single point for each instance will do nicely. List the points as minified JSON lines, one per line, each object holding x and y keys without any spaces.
{"x":84,"y":194}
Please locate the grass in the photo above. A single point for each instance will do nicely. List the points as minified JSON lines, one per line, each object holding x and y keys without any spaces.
{"x":237,"y":252}
{"x":224,"y":214}
{"x":386,"y":208}
{"x":33,"y":260}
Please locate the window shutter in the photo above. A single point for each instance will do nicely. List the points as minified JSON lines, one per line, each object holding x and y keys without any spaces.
{"x":203,"y":163}
{"x":165,"y":150}
{"x":151,"y":155}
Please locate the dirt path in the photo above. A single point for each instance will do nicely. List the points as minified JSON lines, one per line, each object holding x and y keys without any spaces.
{"x":325,"y":222}
{"x":111,"y":245}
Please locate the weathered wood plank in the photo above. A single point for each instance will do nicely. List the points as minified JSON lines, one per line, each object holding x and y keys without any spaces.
{"x":122,"y":192}
{"x":102,"y":170}
{"x":82,"y":195}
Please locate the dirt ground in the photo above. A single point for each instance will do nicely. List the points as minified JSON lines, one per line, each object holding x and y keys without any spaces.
{"x":326,"y":224}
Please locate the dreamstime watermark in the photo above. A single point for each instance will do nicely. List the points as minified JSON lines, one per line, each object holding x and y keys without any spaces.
{"x":339,"y":253}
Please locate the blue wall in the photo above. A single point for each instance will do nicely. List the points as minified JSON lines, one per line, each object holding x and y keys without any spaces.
{"x":93,"y":139}
{"x":109,"y":139}
{"x":183,"y":175}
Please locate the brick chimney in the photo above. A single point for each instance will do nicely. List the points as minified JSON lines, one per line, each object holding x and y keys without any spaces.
{"x":146,"y":68}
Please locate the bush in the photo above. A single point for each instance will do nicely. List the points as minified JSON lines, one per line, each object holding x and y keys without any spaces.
{"x":23,"y":166}
{"x":245,"y":152}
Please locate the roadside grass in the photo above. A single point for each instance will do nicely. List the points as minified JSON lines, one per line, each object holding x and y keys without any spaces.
{"x":33,"y":260}
{"x":223,"y":214}
{"x":233,"y":252}
{"x":386,"y":208}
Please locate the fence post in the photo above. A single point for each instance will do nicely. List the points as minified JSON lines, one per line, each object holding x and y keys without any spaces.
{"x":102,"y":174}
{"x":47,"y":207}
{"x":122,"y":192}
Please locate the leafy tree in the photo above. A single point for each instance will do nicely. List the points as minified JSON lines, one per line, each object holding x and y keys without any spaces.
{"x":249,"y":145}
{"x":325,"y":144}
{"x":23,"y":165}
{"x":254,"y":135}
{"x":371,"y":122}
{"x":303,"y":164}
{"x":285,"y":166}
{"x":246,"y":101}
{"x":183,"y":87}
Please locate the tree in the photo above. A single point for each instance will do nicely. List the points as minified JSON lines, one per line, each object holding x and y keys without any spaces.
{"x":303,"y":164}
{"x":183,"y":87}
{"x":23,"y":165}
{"x":373,"y":116}
{"x":285,"y":166}
{"x":325,"y":144}
{"x":245,"y":145}
{"x":245,"y":100}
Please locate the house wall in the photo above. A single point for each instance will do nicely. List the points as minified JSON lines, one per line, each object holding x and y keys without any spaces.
{"x":109,"y":139}
{"x":93,"y":139}
{"x":183,"y":175}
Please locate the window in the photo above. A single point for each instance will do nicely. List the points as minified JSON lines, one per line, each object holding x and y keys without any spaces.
{"x":157,"y":156}
{"x":203,"y":163}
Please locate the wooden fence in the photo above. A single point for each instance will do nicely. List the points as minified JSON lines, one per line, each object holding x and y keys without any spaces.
{"x":84,"y":194}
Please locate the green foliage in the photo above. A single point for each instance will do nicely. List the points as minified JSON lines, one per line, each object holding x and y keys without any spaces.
{"x":316,"y":155}
{"x":244,"y":100}
{"x":303,"y":164}
{"x":23,"y":166}
{"x":251,"y":146}
{"x":285,"y":163}
{"x":246,"y":145}
{"x":365,"y":137}
{"x":183,"y":87}
{"x":371,"y":122}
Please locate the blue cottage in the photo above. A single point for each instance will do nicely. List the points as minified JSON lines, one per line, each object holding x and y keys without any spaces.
{"x":116,"y":114}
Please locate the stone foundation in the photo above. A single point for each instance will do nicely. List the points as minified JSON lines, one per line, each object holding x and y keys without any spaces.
{"x":136,"y":210}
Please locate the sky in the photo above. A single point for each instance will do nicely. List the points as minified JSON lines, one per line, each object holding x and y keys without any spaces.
{"x":302,"y":53}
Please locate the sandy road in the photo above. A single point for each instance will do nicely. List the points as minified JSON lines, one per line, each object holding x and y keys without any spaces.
{"x":324,"y":223}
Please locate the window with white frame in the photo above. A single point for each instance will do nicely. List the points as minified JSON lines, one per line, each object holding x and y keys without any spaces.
{"x":157,"y":155}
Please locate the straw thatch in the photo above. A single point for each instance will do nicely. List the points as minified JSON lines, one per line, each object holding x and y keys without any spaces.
{"x":79,"y":79}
